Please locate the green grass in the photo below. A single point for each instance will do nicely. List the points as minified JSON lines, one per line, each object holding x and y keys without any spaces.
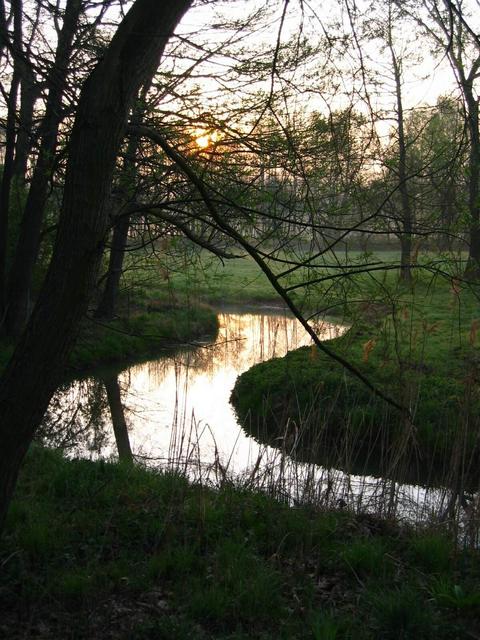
{"x":140,"y":335}
{"x":396,"y":614}
{"x":183,"y":272}
{"x":104,"y":550}
{"x":419,"y":347}
{"x":188,"y":276}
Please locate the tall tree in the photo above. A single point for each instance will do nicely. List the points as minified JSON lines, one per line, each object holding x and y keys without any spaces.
{"x":448,"y":23}
{"x":106,"y":99}
{"x":121,"y":223}
{"x":406,"y":214}
{"x":26,"y":253}
{"x":10,"y":136}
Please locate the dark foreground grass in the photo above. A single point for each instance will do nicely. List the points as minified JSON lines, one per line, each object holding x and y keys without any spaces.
{"x":100,"y":550}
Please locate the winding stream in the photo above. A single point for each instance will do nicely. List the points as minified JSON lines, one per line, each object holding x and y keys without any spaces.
{"x":179,"y":417}
{"x":181,"y":399}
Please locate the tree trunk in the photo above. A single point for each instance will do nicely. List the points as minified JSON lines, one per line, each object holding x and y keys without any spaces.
{"x":118,"y":418}
{"x":447,"y":208}
{"x":406,"y":220}
{"x":473,"y":265}
{"x":8,"y":166}
{"x":5,"y":190}
{"x":466,"y":78}
{"x":108,"y":302}
{"x":29,"y":92}
{"x":405,"y":257}
{"x":26,"y":253}
{"x":40,"y":355}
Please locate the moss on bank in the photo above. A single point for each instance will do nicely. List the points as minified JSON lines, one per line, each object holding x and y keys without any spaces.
{"x":100,"y":550}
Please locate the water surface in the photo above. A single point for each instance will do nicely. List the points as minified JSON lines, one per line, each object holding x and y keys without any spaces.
{"x":179,"y":416}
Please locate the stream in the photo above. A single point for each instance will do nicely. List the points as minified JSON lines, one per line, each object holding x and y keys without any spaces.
{"x":179,"y":418}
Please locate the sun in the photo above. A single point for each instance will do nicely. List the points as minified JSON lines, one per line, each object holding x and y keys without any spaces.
{"x":205,"y":139}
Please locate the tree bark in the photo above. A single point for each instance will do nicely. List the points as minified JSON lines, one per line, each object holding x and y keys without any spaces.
{"x":106,"y":98}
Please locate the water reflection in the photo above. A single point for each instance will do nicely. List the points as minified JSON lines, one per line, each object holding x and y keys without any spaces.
{"x":117,"y":415}
{"x":182,"y":402}
{"x":170,"y":401}
{"x":178,"y":415}
{"x":77,"y":418}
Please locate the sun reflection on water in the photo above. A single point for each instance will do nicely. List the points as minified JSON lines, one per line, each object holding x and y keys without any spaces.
{"x":195,"y":385}
{"x":179,"y":416}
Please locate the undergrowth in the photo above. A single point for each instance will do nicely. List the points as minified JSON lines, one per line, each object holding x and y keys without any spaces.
{"x":101,"y":550}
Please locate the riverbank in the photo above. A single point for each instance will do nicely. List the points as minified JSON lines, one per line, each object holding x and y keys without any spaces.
{"x":100,"y":550}
{"x":421,"y":350}
{"x":140,"y":334}
{"x":136,"y":334}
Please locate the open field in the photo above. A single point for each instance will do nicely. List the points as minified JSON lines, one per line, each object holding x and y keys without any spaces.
{"x":196,"y":274}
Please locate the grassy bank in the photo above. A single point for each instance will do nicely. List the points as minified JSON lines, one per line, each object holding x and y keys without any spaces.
{"x":133,"y":336}
{"x":142,"y":333}
{"x":420,"y":348}
{"x":98,"y":550}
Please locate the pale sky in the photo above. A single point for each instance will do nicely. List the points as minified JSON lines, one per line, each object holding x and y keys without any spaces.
{"x":424,"y":80}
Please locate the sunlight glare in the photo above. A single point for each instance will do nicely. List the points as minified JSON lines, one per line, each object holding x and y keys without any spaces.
{"x":205,"y":139}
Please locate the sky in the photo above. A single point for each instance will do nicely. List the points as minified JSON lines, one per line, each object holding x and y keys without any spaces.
{"x":425,"y":77}
{"x":325,"y":82}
